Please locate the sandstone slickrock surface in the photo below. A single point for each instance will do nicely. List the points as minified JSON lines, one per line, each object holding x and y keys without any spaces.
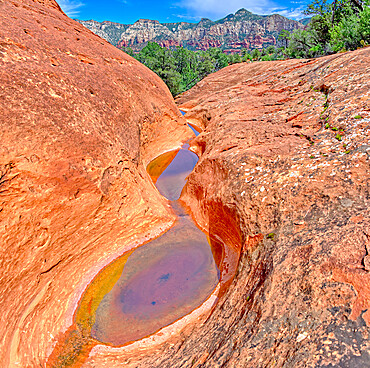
{"x":284,"y":163}
{"x":286,"y":147}
{"x":79,"y":122}
{"x":232,"y":33}
{"x":284,"y":152}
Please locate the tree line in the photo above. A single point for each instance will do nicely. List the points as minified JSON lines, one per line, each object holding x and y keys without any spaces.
{"x":341,"y":25}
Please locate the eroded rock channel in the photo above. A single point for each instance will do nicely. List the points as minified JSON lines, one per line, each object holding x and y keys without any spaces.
{"x":155,"y":284}
{"x":282,"y":179}
{"x":164,"y":279}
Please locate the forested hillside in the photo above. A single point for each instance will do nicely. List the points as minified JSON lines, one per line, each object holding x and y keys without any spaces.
{"x":338,"y":26}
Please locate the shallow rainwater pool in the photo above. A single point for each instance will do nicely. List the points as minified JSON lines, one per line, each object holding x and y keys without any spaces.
{"x":154,"y":285}
{"x":164,"y":279}
{"x":173,"y":179}
{"x":161,"y":282}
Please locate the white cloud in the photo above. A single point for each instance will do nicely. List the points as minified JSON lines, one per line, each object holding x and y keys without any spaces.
{"x":216,"y":9}
{"x":294,"y":13}
{"x":187,"y":17}
{"x":71,"y":7}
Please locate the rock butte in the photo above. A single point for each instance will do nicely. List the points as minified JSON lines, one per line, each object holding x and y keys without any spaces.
{"x":80,"y":122}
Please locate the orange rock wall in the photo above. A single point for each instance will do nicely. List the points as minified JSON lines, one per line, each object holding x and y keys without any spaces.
{"x":286,"y":148}
{"x":284,"y":157}
{"x":80,"y":120}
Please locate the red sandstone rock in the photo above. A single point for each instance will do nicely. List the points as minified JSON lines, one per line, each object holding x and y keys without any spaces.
{"x":80,"y":120}
{"x":286,"y":148}
{"x":271,"y":171}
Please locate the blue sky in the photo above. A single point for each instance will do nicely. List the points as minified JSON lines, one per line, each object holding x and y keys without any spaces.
{"x":129,"y":11}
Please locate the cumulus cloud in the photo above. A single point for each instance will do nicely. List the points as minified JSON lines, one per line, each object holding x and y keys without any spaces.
{"x":216,"y":9}
{"x":71,"y":7}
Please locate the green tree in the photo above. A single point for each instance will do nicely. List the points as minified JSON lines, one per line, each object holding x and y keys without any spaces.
{"x":186,"y":64}
{"x":256,"y":54}
{"x":302,"y":44}
{"x":161,"y":61}
{"x":352,"y":31}
{"x":266,"y":58}
{"x":172,"y":79}
{"x":317,"y":8}
{"x":284,"y":35}
{"x":244,"y":52}
{"x":247,"y":57}
{"x":365,"y":23}
{"x":206,"y":64}
{"x":235,"y":58}
{"x":270,"y":49}
{"x":335,"y":26}
{"x":219,"y":57}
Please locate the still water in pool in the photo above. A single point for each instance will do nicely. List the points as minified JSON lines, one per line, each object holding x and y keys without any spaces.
{"x":173,"y":179}
{"x":164,"y":279}
{"x":161,"y":282}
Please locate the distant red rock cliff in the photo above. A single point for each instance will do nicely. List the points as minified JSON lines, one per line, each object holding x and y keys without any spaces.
{"x":232,"y":33}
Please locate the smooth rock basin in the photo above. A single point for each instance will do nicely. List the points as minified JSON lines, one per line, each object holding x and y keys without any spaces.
{"x":159,"y":282}
{"x":152,"y":286}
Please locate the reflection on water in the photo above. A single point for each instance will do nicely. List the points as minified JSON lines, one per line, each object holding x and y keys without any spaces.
{"x":161,"y":282}
{"x":196,"y":132}
{"x":192,"y":127}
{"x":173,"y":179}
